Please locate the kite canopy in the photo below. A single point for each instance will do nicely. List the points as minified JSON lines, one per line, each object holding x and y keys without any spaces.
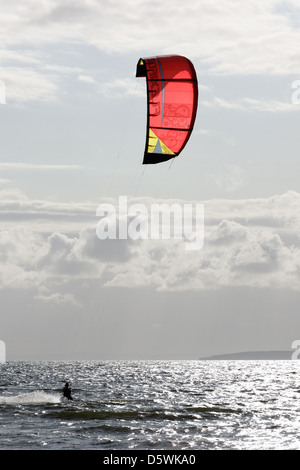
{"x":172,"y":93}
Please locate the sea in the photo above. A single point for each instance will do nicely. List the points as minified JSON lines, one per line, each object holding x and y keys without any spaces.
{"x":154,"y":406}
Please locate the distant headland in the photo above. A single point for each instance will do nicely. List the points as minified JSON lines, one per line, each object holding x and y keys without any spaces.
{"x":251,"y":355}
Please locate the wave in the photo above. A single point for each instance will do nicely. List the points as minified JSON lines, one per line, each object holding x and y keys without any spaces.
{"x":179,"y":414}
{"x":35,"y":398}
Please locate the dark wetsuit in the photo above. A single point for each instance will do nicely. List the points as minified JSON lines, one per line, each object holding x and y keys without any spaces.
{"x":67,"y":392}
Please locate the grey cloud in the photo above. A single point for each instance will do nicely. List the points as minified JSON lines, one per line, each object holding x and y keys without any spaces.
{"x":234,"y":253}
{"x":228,"y":232}
{"x":260,"y":256}
{"x":106,"y":250}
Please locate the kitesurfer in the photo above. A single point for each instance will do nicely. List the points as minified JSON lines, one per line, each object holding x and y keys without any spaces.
{"x":67,"y":391}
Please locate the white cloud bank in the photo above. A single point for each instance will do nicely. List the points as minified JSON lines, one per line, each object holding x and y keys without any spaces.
{"x":252,"y":242}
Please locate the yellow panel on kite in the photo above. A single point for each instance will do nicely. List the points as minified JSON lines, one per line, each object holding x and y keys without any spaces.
{"x":155,"y":144}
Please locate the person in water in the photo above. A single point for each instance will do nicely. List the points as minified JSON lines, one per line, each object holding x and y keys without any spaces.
{"x":67,"y":391}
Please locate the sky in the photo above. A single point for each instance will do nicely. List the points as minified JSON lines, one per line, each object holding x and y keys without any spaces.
{"x":73,"y":124}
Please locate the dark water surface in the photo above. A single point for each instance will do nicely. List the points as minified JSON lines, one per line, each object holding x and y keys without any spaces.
{"x":150,"y":405}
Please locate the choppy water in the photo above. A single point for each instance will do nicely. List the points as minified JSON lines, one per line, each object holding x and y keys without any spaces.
{"x":151,"y":405}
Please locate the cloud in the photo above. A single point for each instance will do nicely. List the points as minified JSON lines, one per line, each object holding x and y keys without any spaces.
{"x":20,"y":252}
{"x":25,"y":84}
{"x":36,"y":166}
{"x":58,"y":298}
{"x":251,"y":242}
{"x":215,"y":136}
{"x":227,"y":38}
{"x":250,"y":104}
{"x":85,"y":78}
{"x":4,"y":181}
{"x":229,"y":177}
{"x":40,"y":215}
{"x":120,"y":87}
